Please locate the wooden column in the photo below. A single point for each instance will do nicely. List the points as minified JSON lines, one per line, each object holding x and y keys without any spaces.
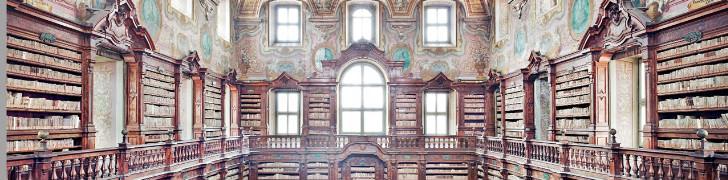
{"x":528,"y":115}
{"x":601,"y":100}
{"x":134,"y":98}
{"x":198,"y":83}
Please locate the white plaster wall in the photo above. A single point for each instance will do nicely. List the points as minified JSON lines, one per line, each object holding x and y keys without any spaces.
{"x":623,"y":107}
{"x":185,"y":109}
{"x":226,"y":115}
{"x":108,"y":102}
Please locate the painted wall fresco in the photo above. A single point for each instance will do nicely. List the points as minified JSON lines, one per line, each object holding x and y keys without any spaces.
{"x":400,"y":39}
{"x":175,"y":34}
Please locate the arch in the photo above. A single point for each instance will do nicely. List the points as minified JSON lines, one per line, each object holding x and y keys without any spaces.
{"x":363,"y":93}
{"x":617,"y":26}
{"x":121,"y":30}
{"x":360,"y":51}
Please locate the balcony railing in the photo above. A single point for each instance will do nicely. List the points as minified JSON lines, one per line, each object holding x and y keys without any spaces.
{"x":582,"y":160}
{"x":131,"y":161}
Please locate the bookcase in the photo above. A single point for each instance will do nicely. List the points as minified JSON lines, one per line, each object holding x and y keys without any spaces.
{"x":363,"y":168}
{"x":513,"y":94}
{"x":471,"y":98}
{"x":317,"y":170}
{"x":452,"y":170}
{"x":406,"y":107}
{"x":253,"y":107}
{"x":572,"y":96}
{"x":278,"y":170}
{"x":213,"y":106}
{"x":47,"y":85}
{"x":320,"y":111}
{"x":407,"y":171}
{"x":498,"y":109}
{"x":159,"y":97}
{"x":691,"y":89}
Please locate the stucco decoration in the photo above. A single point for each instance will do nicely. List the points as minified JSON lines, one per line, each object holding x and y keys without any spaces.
{"x":250,"y":9}
{"x":151,"y":17}
{"x":403,"y":54}
{"x":579,"y":17}
{"x":615,"y":27}
{"x":670,"y":8}
{"x":519,"y":44}
{"x":502,"y":20}
{"x":206,"y":43}
{"x":324,"y":8}
{"x":402,"y":8}
{"x":518,"y":7}
{"x":475,"y":8}
{"x":545,"y":10}
{"x":323,"y":54}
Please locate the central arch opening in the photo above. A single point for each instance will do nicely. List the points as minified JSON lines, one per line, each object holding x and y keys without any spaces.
{"x":362,"y":89}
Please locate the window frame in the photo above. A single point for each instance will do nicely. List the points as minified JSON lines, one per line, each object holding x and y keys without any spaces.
{"x":452,"y":22}
{"x":273,"y":23}
{"x":447,"y":112}
{"x":297,"y":113}
{"x":363,"y":109}
{"x":373,"y":7}
{"x":224,"y":5}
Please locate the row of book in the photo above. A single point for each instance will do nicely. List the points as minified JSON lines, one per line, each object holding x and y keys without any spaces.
{"x":576,"y":123}
{"x":158,"y":92}
{"x":318,"y":109}
{"x":694,"y":71}
{"x":694,"y":102}
{"x":406,"y":100}
{"x":695,"y":84}
{"x":318,"y":115}
{"x":573,"y":92}
{"x":571,"y":84}
{"x":31,"y":145}
{"x":514,"y":88}
{"x":474,"y":110}
{"x":211,"y":106}
{"x":406,"y":123}
{"x":319,"y":123}
{"x":279,"y":177}
{"x":43,"y":86}
{"x":452,"y":171}
{"x":405,"y":105}
{"x":475,"y":125}
{"x":158,"y":73}
{"x":250,"y":110}
{"x":514,"y":125}
{"x":447,"y":177}
{"x":213,"y":123}
{"x":474,"y":117}
{"x":362,"y":169}
{"x":692,"y":58}
{"x":250,"y":116}
{"x":317,"y":176}
{"x":43,"y":72}
{"x":19,"y":100}
{"x":516,"y":115}
{"x":156,"y":110}
{"x":573,"y":111}
{"x":409,"y":132}
{"x":243,"y":100}
{"x":474,"y":96}
{"x":253,"y":96}
{"x":158,"y":84}
{"x":213,"y":114}
{"x":572,"y":76}
{"x":43,"y":47}
{"x":514,"y":95}
{"x":278,"y":164}
{"x":43,"y":59}
{"x":693,"y":46}
{"x":213,"y":95}
{"x":514,"y":107}
{"x":407,"y":116}
{"x":250,"y":123}
{"x":512,"y":101}
{"x":689,"y":144}
{"x":573,"y":100}
{"x":154,"y":122}
{"x":158,"y":100}
{"x":514,"y":134}
{"x":481,"y":104}
{"x":579,"y":139}
{"x":682,"y":121}
{"x":466,"y":100}
{"x":47,"y":122}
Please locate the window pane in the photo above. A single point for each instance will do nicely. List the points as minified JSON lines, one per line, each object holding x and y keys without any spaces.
{"x":430,"y":124}
{"x":431,"y":15}
{"x":442,"y":16}
{"x":430,"y":102}
{"x":374,"y":121}
{"x":351,"y":121}
{"x":352,"y":75}
{"x":441,"y":124}
{"x":282,"y":124}
{"x":293,"y":15}
{"x":282,"y":15}
{"x":282,"y":103}
{"x":371,"y":75}
{"x":442,"y":33}
{"x":431,"y":34}
{"x":292,"y":102}
{"x":361,"y":13}
{"x":293,"y":124}
{"x":351,"y":97}
{"x":441,"y":102}
{"x":373,"y":97}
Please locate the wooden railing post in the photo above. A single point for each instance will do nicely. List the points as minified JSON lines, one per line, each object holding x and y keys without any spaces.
{"x":615,"y":161}
{"x":223,"y":143}
{"x":121,"y":162}
{"x":168,"y":159}
{"x":202,"y":149}
{"x":42,"y":163}
{"x":564,"y":156}
{"x":527,"y":145}
{"x":704,"y":159}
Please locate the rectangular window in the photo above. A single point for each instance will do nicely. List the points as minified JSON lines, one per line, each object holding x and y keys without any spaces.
{"x":223,"y":20}
{"x":438,"y":25}
{"x":183,"y":6}
{"x":287,"y":113}
{"x":436,"y":113}
{"x":362,"y":22}
{"x":287,"y":24}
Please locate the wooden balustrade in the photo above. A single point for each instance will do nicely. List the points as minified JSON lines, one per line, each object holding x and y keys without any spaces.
{"x":125,"y":160}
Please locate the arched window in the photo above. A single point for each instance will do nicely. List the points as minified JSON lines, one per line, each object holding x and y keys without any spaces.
{"x":362,"y":100}
{"x":362,"y":21}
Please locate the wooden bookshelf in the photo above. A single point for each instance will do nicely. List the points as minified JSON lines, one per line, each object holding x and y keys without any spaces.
{"x":442,"y":170}
{"x":408,"y":171}
{"x":213,"y":106}
{"x":471,"y":100}
{"x":47,"y":83}
{"x":691,"y":80}
{"x":278,"y":170}
{"x":513,"y":98}
{"x":253,"y":107}
{"x":572,"y":81}
{"x":159,"y":89}
{"x":406,"y":107}
{"x":317,"y":170}
{"x":498,"y":100}
{"x":320,"y":112}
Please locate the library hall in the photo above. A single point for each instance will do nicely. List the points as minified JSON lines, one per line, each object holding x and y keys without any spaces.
{"x":364,"y":89}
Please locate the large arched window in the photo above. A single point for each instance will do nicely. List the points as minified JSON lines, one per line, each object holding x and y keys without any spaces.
{"x":362,"y":100}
